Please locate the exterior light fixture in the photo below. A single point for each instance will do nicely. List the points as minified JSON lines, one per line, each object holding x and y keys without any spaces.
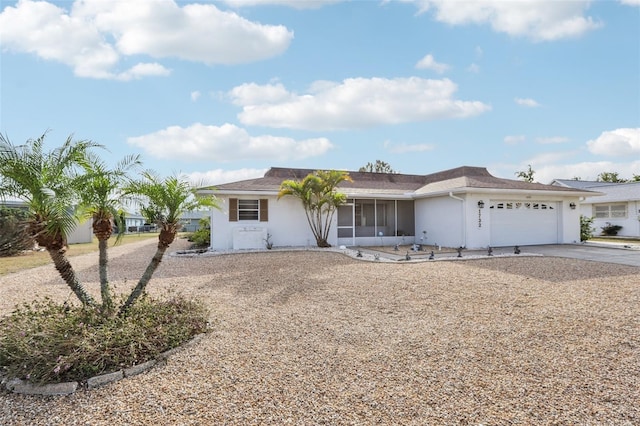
{"x":572,"y":206}
{"x":481,"y":204}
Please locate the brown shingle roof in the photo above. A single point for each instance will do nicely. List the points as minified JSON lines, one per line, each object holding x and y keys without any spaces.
{"x":447,"y":180}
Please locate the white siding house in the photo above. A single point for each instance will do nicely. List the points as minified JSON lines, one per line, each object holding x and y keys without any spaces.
{"x":619,"y":204}
{"x":465,"y":206}
{"x":82,"y":233}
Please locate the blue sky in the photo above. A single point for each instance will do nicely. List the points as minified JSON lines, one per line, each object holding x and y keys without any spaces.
{"x":223,"y":90}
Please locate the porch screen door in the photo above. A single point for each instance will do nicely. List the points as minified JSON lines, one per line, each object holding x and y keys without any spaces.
{"x":345,"y":222}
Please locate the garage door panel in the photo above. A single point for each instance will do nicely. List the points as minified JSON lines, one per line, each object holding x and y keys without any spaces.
{"x":523,"y":223}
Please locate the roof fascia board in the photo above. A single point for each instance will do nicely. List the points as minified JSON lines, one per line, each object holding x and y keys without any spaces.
{"x":240,"y":192}
{"x":504,"y":191}
{"x":397,"y":196}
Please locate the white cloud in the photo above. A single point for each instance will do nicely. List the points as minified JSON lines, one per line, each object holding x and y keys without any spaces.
{"x":195,"y":95}
{"x":142,"y":70}
{"x":537,"y":20}
{"x":220,"y":176}
{"x":514,"y":139}
{"x":631,"y":2}
{"x":548,"y":167}
{"x":474,"y":68}
{"x":225,"y":143}
{"x":545,"y":158}
{"x":251,"y":94}
{"x":527,"y":102}
{"x":429,"y":63}
{"x":552,"y":140}
{"x":616,"y":143}
{"x":354,"y":103}
{"x":95,"y":35}
{"x":296,"y":4}
{"x":403,"y":148}
{"x":585,"y":170}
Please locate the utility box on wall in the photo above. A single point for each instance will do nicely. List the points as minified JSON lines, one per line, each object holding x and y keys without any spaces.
{"x":249,"y":237}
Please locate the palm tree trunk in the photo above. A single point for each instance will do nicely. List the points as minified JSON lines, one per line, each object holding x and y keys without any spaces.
{"x":144,"y":280}
{"x":103,"y":260}
{"x":67,"y":273}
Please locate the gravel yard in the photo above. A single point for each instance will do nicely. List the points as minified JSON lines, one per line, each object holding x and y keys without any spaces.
{"x":310,"y":338}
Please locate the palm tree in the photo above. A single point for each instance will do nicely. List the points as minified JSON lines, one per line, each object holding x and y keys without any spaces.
{"x":526,"y":175}
{"x":46,"y":181}
{"x":317,"y":192}
{"x":101,"y":201}
{"x":165,"y":200}
{"x":379,"y":167}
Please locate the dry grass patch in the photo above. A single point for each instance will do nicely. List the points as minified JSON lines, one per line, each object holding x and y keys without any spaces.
{"x":32,"y":259}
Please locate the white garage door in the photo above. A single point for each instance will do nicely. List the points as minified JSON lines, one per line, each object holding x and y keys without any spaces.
{"x":523,"y":222}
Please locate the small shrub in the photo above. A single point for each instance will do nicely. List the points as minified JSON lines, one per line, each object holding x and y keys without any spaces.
{"x":610,"y":229}
{"x":201,"y":238}
{"x":586,"y":228}
{"x":45,"y":342}
{"x":268,"y":243}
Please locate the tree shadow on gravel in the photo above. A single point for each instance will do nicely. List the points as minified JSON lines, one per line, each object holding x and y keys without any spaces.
{"x":555,"y":269}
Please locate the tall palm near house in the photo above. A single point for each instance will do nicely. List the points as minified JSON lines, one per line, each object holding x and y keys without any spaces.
{"x":319,"y":197}
{"x":46,"y":181}
{"x":101,"y":198}
{"x":166,"y":199}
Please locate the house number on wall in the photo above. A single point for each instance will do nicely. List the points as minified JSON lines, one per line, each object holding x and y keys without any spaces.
{"x":479,"y":218}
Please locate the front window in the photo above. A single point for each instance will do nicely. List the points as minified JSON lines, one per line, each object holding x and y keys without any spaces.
{"x":607,"y":211}
{"x":248,"y":210}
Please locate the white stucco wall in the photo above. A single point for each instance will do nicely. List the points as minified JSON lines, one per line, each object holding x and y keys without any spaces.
{"x":441,"y":217}
{"x":569,"y":221}
{"x":287,"y":224}
{"x":450,"y":222}
{"x":83,"y":233}
{"x":630,"y":224}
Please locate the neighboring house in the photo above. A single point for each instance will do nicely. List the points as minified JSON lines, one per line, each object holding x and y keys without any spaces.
{"x":191,"y":220}
{"x":465,"y":206}
{"x":134,"y":222}
{"x":83,"y":232}
{"x":620,"y":204}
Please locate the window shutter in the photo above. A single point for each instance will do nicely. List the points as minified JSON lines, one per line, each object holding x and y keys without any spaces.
{"x":233,"y":209}
{"x":264,"y":210}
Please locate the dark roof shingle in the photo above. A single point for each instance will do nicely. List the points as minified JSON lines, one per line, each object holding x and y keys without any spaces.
{"x":460,"y":177}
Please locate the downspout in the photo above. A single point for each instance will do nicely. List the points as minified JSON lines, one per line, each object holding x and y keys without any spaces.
{"x":464,"y":218}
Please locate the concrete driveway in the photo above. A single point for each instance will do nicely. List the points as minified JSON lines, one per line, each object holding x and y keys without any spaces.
{"x":594,"y":252}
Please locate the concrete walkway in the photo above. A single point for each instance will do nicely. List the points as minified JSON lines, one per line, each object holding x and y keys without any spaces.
{"x":623,"y":254}
{"x":609,"y":253}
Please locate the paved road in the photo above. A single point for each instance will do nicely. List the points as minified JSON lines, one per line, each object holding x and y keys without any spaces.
{"x":609,"y":254}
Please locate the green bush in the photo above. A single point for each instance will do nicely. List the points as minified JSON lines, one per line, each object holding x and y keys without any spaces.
{"x":610,"y":229}
{"x":45,"y":342}
{"x":201,"y":238}
{"x":14,"y":236}
{"x":586,"y":228}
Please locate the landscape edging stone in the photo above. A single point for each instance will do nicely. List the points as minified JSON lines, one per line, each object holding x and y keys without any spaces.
{"x":66,"y":388}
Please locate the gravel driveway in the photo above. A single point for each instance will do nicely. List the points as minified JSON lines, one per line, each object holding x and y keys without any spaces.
{"x":310,"y":338}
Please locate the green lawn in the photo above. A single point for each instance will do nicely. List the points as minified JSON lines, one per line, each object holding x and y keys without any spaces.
{"x":38,"y":258}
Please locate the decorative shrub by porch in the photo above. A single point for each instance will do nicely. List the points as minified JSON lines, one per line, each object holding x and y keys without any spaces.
{"x":610,"y":229}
